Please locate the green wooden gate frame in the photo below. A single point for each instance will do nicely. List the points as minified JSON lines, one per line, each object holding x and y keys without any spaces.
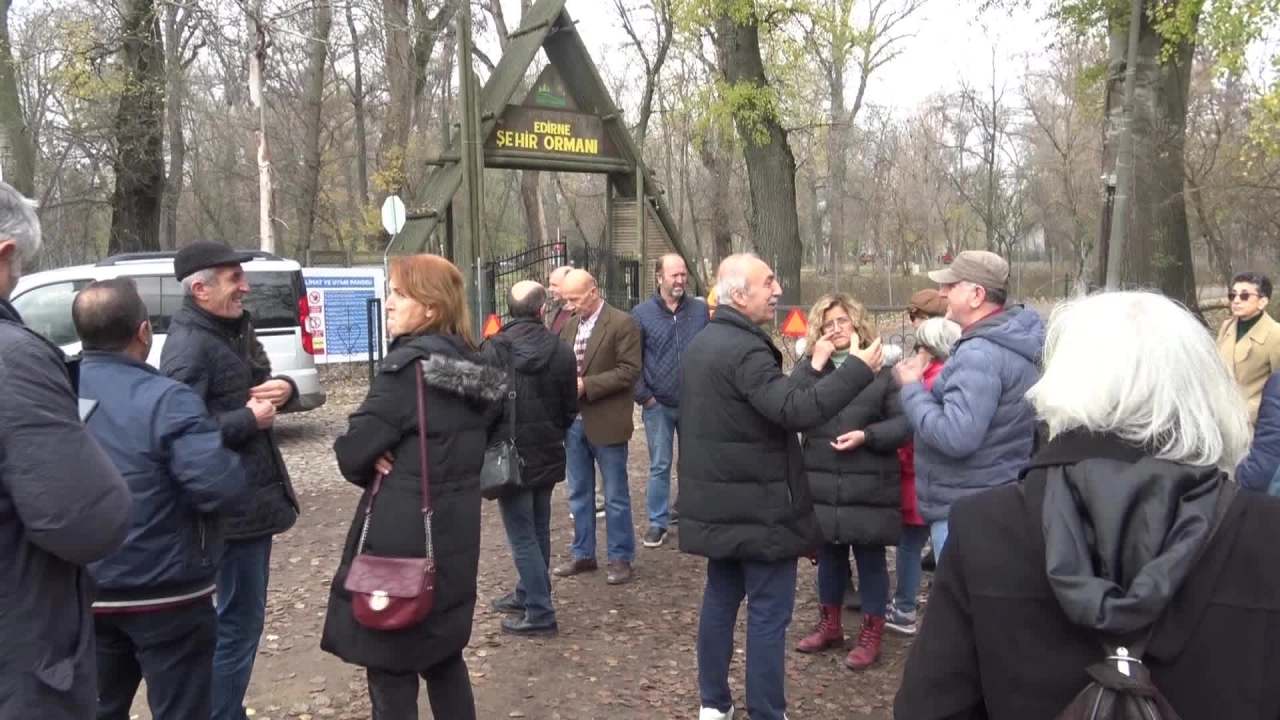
{"x":548,"y":26}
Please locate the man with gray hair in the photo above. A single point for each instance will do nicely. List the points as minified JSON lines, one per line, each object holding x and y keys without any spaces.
{"x":211,"y":347}
{"x":744,"y":500}
{"x":63,"y":505}
{"x":555,"y":314}
{"x":974,"y":429}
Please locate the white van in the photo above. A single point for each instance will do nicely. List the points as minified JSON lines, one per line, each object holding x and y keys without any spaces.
{"x":277,"y":303}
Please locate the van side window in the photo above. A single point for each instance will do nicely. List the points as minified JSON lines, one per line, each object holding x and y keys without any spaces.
{"x":47,"y":310}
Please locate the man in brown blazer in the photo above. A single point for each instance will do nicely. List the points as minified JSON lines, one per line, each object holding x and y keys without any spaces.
{"x":607,"y":345}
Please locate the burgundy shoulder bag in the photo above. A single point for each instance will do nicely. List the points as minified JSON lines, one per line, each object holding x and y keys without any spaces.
{"x":390,"y":593}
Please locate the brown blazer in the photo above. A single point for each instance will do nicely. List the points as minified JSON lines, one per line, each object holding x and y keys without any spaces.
{"x":1253,"y":359}
{"x":609,"y":375}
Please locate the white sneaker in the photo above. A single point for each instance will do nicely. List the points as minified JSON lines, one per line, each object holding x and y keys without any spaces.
{"x":713,"y":714}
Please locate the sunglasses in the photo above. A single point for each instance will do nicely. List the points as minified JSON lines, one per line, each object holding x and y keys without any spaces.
{"x":1244,"y":295}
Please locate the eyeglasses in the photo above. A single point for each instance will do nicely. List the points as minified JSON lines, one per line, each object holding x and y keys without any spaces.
{"x":843,"y":323}
{"x":1244,"y":295}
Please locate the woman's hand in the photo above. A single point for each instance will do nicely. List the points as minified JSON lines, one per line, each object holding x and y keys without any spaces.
{"x":849,"y":441}
{"x":822,"y":351}
{"x":384,"y":464}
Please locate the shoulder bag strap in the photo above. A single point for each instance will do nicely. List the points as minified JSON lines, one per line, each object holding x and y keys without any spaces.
{"x":511,"y":395}
{"x":424,"y":465}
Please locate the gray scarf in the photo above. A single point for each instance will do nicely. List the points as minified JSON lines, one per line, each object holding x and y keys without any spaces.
{"x":1121,"y":537}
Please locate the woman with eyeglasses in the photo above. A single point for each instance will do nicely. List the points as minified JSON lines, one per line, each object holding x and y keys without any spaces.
{"x":1249,"y":342}
{"x":855,"y":477}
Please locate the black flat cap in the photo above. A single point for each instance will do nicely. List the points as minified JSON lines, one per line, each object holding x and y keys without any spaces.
{"x":202,"y":255}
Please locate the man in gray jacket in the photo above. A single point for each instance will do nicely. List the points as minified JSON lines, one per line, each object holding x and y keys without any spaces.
{"x":63,"y":505}
{"x":974,"y":429}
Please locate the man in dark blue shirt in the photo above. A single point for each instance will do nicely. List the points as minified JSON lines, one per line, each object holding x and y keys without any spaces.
{"x":668,"y":321}
{"x":153,"y":614}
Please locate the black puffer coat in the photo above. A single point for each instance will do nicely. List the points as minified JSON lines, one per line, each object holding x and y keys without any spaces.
{"x":462,"y":406}
{"x":217,"y":357}
{"x":546,"y":376}
{"x":743,"y":494}
{"x":857,"y":494}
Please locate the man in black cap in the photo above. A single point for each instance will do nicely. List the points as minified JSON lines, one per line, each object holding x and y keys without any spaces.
{"x":211,"y":347}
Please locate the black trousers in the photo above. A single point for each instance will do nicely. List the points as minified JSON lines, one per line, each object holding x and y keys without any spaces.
{"x":172,"y":649}
{"x":395,"y":696}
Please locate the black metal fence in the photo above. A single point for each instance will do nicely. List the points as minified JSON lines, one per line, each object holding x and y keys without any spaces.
{"x":618,"y":277}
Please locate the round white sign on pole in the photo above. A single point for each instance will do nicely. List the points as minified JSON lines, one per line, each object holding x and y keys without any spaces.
{"x":393,"y":214}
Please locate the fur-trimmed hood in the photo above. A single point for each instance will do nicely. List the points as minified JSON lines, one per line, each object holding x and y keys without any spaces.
{"x":464,"y":378}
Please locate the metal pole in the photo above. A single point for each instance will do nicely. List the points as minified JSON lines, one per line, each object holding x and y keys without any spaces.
{"x":641,"y":211}
{"x":469,"y":251}
{"x":1124,"y":154}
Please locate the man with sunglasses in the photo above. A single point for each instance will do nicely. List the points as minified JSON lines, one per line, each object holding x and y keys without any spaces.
{"x":973,"y":428}
{"x":1249,"y":342}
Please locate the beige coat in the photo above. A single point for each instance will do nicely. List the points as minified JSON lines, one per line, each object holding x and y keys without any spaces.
{"x":1253,"y":359}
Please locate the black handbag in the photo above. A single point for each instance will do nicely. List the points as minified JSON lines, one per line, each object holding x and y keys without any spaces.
{"x":501,"y":472}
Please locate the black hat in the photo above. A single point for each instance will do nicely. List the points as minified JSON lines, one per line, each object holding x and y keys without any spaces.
{"x":202,"y":255}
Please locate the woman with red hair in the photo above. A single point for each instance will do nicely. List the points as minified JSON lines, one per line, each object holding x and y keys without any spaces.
{"x":431,"y":371}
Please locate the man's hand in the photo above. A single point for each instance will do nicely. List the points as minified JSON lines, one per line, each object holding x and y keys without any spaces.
{"x":908,"y":371}
{"x":276,"y":392}
{"x":650,"y":403}
{"x":263,"y":411}
{"x":849,"y":441}
{"x":822,"y":351}
{"x":582,"y":388}
{"x":384,"y":464}
{"x":872,"y":355}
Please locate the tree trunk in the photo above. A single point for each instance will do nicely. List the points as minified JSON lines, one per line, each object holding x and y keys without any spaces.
{"x":1158,"y":252}
{"x":312,"y":107}
{"x":837,"y":171}
{"x":20,"y":158}
{"x":357,"y":104}
{"x":257,"y":101}
{"x":139,"y":161}
{"x":175,"y":27}
{"x":771,"y":167}
{"x":716,"y":155}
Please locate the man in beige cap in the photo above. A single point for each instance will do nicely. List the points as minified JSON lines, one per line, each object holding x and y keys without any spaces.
{"x":973,"y":429}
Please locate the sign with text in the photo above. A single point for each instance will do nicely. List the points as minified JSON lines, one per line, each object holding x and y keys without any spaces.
{"x":339,"y":317}
{"x":548,"y":131}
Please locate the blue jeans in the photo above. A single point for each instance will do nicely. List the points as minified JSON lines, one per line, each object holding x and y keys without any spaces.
{"x":660,"y":433}
{"x":873,"y":576}
{"x":171,"y":649}
{"x":910,"y":548}
{"x":526,"y":515}
{"x":242,"y":607}
{"x":620,"y":533}
{"x":770,"y":590}
{"x":938,"y":531}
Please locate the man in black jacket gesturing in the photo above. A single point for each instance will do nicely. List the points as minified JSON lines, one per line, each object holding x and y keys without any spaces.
{"x":211,"y":347}
{"x":546,"y":402}
{"x":744,"y":501}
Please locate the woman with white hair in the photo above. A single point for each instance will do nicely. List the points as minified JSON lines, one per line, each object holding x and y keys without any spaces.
{"x":1108,"y":541}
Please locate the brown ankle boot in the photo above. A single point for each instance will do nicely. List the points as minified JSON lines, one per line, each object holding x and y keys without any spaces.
{"x":828,"y":633}
{"x":868,"y":650}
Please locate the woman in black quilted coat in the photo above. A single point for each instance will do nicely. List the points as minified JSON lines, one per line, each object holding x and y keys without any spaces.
{"x":856,"y":480}
{"x":428,"y":319}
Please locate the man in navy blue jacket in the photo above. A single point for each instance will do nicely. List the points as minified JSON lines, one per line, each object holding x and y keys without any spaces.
{"x":668,"y":321}
{"x":154,"y":616}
